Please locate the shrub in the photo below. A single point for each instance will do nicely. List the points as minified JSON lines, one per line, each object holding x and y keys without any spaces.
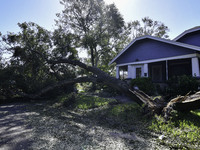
{"x":144,"y":84}
{"x":106,"y":91}
{"x":181,"y":85}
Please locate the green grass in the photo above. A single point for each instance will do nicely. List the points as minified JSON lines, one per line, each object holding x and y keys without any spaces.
{"x":182,"y":131}
{"x":85,"y":102}
{"x":197,"y":112}
{"x":128,"y":114}
{"x":126,"y":117}
{"x":126,"y":110}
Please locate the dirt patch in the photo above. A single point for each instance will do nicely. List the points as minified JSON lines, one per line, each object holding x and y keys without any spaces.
{"x":129,"y":136}
{"x":14,"y":131}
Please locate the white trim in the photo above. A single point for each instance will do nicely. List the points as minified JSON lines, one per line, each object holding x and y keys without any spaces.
{"x":195,"y":67}
{"x":160,"y":59}
{"x":117,"y":72}
{"x":142,"y":70}
{"x":197,"y":48}
{"x":130,"y":71}
{"x":186,"y":32}
{"x":133,"y":72}
{"x":146,"y":70}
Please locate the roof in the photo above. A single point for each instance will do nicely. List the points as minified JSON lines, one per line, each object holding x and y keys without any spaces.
{"x":197,"y":28}
{"x":197,"y":48}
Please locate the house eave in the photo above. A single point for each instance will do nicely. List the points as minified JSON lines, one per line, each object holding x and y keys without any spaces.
{"x":186,"y":32}
{"x":160,"y":59}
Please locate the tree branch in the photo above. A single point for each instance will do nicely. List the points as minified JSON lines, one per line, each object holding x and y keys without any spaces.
{"x":59,"y":84}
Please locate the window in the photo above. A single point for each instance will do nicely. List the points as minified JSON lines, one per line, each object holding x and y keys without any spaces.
{"x":123,"y":72}
{"x":138,"y":72}
{"x":180,"y":67}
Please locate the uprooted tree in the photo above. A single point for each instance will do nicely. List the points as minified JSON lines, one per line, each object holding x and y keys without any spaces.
{"x":32,"y":58}
{"x":42,"y":61}
{"x":180,"y":103}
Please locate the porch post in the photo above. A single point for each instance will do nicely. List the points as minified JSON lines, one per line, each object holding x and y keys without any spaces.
{"x":130,"y":71}
{"x":167,"y":76}
{"x":134,"y":72}
{"x":146,"y":70}
{"x":117,"y":72}
{"x":195,"y":67}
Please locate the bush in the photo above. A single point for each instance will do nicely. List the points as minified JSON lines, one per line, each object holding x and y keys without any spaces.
{"x":106,"y":91}
{"x":144,"y":84}
{"x":181,"y":85}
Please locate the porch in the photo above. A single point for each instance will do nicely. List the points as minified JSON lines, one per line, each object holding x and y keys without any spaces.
{"x":159,"y":70}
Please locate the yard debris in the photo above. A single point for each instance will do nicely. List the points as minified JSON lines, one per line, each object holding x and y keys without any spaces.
{"x":182,"y":103}
{"x":129,"y":136}
{"x":161,"y":137}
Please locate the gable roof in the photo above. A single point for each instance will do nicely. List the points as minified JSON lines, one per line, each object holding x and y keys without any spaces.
{"x":187,"y":32}
{"x":197,"y":48}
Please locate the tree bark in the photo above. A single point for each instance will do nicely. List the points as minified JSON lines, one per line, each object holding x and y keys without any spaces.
{"x":104,"y":78}
{"x":183,"y":104}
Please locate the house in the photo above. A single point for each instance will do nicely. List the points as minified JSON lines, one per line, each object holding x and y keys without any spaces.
{"x":160,"y":59}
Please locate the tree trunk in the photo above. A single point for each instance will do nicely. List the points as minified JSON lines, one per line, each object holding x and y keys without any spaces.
{"x":182,"y":103}
{"x":92,"y":56}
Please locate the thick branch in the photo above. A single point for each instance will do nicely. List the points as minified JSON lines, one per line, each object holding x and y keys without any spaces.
{"x":95,"y":70}
{"x":62,"y":83}
{"x":106,"y":79}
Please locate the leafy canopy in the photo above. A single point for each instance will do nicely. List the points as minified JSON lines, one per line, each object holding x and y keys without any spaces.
{"x":96,"y":26}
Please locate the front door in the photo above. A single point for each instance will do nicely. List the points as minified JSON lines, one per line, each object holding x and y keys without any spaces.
{"x":138,"y":72}
{"x":157,"y":73}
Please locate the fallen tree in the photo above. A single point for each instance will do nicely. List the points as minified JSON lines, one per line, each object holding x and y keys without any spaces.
{"x":181,"y":103}
{"x":33,"y":62}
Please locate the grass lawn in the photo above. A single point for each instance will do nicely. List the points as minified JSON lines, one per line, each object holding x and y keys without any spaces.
{"x":182,"y":131}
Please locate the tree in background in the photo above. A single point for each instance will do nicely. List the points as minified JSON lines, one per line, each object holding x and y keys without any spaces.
{"x":147,"y":26}
{"x":98,"y":28}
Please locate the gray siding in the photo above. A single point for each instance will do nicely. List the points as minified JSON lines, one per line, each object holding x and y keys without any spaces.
{"x":148,"y":49}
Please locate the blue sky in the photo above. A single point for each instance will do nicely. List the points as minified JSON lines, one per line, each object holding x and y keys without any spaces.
{"x":38,"y":11}
{"x":178,"y":15}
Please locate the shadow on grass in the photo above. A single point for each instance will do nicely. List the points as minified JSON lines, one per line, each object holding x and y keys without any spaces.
{"x":193,"y":117}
